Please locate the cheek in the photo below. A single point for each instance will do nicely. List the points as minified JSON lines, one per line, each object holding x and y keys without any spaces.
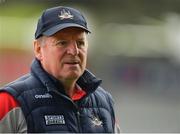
{"x":51,"y":57}
{"x":84,"y":57}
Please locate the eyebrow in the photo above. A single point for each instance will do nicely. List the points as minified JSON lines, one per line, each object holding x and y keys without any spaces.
{"x":81,"y":39}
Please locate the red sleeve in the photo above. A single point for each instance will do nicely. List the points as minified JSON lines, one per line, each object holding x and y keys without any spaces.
{"x":7,"y":103}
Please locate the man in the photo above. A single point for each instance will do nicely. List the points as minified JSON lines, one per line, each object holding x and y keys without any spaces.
{"x":59,"y":94}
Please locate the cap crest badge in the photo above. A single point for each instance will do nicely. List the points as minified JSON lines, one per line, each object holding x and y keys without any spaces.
{"x":65,"y":15}
{"x":96,"y":121}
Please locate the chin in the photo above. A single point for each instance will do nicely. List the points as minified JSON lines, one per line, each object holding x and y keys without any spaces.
{"x":73,"y":75}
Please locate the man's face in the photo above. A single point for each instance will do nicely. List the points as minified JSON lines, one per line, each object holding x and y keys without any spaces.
{"x":64,"y":54}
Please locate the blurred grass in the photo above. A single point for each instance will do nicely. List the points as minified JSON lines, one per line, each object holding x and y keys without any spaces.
{"x":22,"y":10}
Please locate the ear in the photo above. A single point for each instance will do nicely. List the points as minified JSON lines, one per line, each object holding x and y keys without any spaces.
{"x":37,"y":50}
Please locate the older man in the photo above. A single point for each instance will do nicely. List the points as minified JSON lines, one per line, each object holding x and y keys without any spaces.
{"x":59,"y":94}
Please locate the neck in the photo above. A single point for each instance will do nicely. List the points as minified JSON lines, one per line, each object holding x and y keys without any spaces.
{"x":69,"y":87}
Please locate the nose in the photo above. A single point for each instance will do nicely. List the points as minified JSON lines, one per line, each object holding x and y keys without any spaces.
{"x":72,"y":48}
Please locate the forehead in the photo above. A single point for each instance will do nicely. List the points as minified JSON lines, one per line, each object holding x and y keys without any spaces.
{"x":70,"y":32}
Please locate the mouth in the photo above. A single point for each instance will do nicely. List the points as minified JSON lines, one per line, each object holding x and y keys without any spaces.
{"x":72,"y":62}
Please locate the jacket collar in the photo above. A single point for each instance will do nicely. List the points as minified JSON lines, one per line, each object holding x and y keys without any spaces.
{"x":88,"y":82}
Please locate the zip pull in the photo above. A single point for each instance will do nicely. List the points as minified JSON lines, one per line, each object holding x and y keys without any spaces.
{"x":78,"y":113}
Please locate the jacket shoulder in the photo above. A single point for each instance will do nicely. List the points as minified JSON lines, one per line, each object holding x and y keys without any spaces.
{"x":20,"y":85}
{"x":104,"y":95}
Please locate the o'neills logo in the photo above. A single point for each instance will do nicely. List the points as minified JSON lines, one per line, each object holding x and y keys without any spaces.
{"x":43,"y":96}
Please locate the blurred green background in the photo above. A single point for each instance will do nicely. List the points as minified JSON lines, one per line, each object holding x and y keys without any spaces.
{"x":134,"y":47}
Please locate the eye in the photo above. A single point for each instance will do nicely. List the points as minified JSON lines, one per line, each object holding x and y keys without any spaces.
{"x":62,"y":43}
{"x":80,"y":43}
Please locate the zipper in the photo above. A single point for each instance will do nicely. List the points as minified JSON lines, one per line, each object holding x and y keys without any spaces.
{"x":78,"y":121}
{"x":77,"y":113}
{"x":78,"y":117}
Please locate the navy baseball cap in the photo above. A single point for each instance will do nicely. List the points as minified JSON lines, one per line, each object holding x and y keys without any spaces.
{"x":57,"y":18}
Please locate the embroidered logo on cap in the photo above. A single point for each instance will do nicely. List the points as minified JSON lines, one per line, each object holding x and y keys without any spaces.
{"x":54,"y":119}
{"x":65,"y":15}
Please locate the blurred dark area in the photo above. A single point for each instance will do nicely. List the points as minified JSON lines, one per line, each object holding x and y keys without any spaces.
{"x":134,"y":48}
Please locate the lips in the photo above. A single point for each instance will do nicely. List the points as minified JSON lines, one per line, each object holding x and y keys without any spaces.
{"x":72,"y":62}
